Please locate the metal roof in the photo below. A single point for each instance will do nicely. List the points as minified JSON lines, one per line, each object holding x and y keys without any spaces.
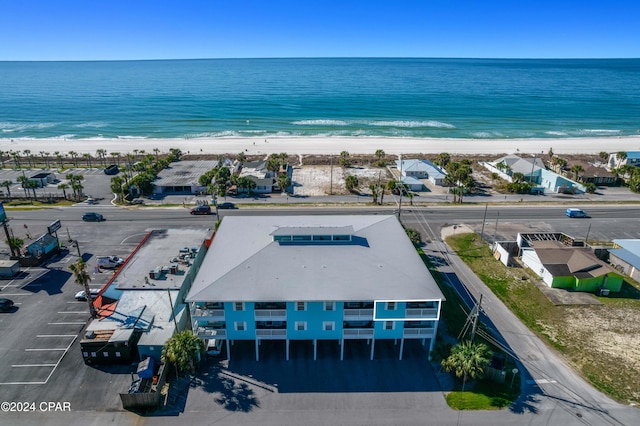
{"x":184,"y":173}
{"x":244,"y":263}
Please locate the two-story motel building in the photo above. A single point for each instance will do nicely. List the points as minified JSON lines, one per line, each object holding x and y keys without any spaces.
{"x":314,"y":278}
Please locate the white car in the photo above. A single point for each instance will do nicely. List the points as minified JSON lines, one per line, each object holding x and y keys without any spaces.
{"x":81,"y":295}
{"x":109,"y":262}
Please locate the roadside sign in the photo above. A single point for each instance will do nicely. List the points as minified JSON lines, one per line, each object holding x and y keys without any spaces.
{"x":54,"y":227}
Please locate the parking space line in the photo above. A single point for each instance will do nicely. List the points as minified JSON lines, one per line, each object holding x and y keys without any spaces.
{"x":33,"y":365}
{"x":17,"y":294}
{"x":73,"y":312}
{"x":56,"y":335}
{"x":44,"y":349}
{"x":60,"y":359}
{"x":67,"y":323}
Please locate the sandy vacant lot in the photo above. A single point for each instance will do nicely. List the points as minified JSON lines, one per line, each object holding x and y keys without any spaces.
{"x":316,"y":180}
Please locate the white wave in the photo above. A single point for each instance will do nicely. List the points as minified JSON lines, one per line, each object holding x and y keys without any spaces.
{"x":63,"y":137}
{"x":17,"y":127}
{"x":129,"y":137}
{"x":555,"y":133}
{"x":320,"y":123}
{"x":413,"y":123}
{"x":610,"y":131}
{"x":96,"y":124}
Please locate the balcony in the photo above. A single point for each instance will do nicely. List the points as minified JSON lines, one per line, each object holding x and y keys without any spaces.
{"x":421,"y":313}
{"x":270,"y":314}
{"x":210,"y":332}
{"x":217,"y":314}
{"x":358,"y":315}
{"x":418,"y":333}
{"x":357,"y":333}
{"x":272,"y":334}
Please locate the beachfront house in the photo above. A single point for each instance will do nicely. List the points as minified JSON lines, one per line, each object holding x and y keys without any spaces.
{"x":414,"y":170}
{"x":312,"y":281}
{"x":181,"y":177}
{"x":534,"y":171}
{"x":624,"y":158}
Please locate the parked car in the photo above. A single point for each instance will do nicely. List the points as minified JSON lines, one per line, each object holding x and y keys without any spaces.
{"x":201,"y":210}
{"x":111,"y":170}
{"x":81,"y":295}
{"x":573,"y":212}
{"x":5,"y":304}
{"x":92,"y":217}
{"x":214,"y":347}
{"x":226,"y":205}
{"x":109,"y":262}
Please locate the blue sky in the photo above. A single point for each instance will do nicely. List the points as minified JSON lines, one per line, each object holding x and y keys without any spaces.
{"x":171,"y":29}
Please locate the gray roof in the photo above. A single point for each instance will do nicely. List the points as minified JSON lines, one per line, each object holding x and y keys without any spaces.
{"x":245,"y":264}
{"x":427,"y":166}
{"x":157,"y":251}
{"x":526,"y":165}
{"x":184,"y":173}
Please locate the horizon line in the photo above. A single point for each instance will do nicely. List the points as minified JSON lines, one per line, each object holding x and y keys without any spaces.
{"x":329,"y":57}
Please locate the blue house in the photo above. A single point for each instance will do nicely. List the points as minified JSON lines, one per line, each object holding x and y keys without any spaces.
{"x":316,"y":279}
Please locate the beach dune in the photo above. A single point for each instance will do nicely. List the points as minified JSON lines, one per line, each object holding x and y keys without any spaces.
{"x":328,"y":145}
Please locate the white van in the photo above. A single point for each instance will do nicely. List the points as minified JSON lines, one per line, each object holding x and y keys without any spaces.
{"x":214,"y":347}
{"x":109,"y":262}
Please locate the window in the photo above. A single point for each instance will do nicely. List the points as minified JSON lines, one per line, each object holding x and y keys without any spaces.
{"x":329,"y":306}
{"x":389,"y":325}
{"x":93,"y":354}
{"x":301,"y":306}
{"x":328,"y":325}
{"x":85,"y":354}
{"x":301,"y":325}
{"x":391,"y":306}
{"x":118,"y":354}
{"x":238,"y":306}
{"x":240,"y":326}
{"x":105,"y":354}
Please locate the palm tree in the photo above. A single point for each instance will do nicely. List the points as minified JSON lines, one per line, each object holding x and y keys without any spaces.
{"x":344,"y":160}
{"x":23,"y":181}
{"x":246,"y":183}
{"x":351,"y":183}
{"x":604,"y":156}
{"x":87,"y":157}
{"x":443,"y":159}
{"x":116,"y":157}
{"x":27,"y":153}
{"x":117,"y":187}
{"x":518,"y":177}
{"x":7,"y":184}
{"x":577,"y":168}
{"x":156,"y":151}
{"x":59,"y":157}
{"x":101,"y":154}
{"x":74,"y":158}
{"x":64,"y":187}
{"x":284,"y":182}
{"x":83,"y":278}
{"x":467,"y":359}
{"x":414,"y":236}
{"x":241,"y":158}
{"x":32,"y":185}
{"x":182,"y":349}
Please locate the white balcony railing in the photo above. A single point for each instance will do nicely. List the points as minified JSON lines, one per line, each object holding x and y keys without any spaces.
{"x":421,"y":313}
{"x":270,"y":314}
{"x":208,"y":333}
{"x":418,"y":333}
{"x":271,"y":334}
{"x":357,"y":333}
{"x":358,"y":314}
{"x":217,"y":314}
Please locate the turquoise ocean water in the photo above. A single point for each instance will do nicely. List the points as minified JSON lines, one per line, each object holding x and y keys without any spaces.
{"x":451,"y":98}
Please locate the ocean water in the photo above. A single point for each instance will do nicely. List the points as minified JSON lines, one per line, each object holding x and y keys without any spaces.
{"x":451,"y":98}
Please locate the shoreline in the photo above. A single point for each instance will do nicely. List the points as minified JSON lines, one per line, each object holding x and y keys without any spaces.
{"x":328,"y":145}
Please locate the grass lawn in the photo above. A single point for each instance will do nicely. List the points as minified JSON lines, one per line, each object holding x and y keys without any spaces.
{"x":600,"y":341}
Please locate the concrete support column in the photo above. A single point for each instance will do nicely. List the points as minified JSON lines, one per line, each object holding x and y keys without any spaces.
{"x":342,"y":350}
{"x":257,"y":350}
{"x":373,"y":345}
{"x":433,"y":339}
{"x":228,"y":351}
{"x":315,"y":349}
{"x":401,"y":348}
{"x":287,"y":351}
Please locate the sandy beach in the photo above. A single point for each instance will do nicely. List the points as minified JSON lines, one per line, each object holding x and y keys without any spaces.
{"x":328,"y":145}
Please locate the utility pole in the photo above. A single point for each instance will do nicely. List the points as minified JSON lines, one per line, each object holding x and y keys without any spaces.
{"x":586,"y":239}
{"x":495,"y":232}
{"x":331,"y":176}
{"x":475,"y":318}
{"x":486,"y":206}
{"x":401,"y":190}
